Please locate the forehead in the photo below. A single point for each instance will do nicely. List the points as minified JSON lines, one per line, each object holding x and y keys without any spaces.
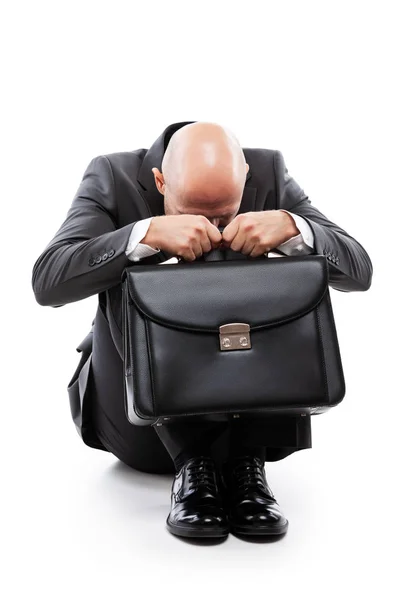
{"x":205,"y":199}
{"x":210,"y":208}
{"x":208,"y":212}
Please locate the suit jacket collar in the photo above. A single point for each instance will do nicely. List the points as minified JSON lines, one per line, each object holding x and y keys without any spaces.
{"x":153,"y":158}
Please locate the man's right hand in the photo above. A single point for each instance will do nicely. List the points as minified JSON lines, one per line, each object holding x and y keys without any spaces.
{"x":187,"y":236}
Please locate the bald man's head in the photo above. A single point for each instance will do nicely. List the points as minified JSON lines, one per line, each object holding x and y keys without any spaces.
{"x":203,"y":172}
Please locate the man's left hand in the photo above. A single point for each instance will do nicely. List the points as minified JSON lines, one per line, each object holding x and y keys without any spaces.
{"x":255,"y":233}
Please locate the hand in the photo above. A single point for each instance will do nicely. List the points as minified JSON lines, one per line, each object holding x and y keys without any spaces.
{"x":255,"y":233}
{"x":188,"y":236}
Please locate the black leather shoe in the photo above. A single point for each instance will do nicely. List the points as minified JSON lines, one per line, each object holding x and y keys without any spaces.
{"x":250,"y":504}
{"x":196,"y":503}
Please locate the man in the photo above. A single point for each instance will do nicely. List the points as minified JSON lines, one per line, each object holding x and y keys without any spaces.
{"x":148,"y":206}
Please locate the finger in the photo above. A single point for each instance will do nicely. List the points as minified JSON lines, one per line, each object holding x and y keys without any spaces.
{"x":197,"y":248}
{"x":248,"y":247}
{"x":188,"y":249}
{"x":258,"y":250}
{"x":188,"y":255}
{"x":205,"y":242}
{"x":238,"y":241}
{"x":230,"y":231}
{"x":213,"y":234}
{"x":206,"y":245}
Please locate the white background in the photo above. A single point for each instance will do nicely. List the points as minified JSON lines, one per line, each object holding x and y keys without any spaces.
{"x":316,"y":80}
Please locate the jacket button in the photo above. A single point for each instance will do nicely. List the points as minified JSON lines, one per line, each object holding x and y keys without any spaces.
{"x":105,"y":256}
{"x":97,"y":259}
{"x":91,"y":262}
{"x":111,"y":253}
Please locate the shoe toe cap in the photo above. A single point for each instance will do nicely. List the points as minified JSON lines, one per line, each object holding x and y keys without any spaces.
{"x":211,"y":520}
{"x":270,"y":517}
{"x":198,"y":519}
{"x":263,"y":519}
{"x":203,"y":521}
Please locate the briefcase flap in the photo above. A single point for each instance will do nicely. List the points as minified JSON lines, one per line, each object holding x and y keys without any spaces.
{"x":202,"y":296}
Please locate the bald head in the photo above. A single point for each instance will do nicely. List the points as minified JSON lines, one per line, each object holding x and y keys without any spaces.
{"x":203,"y":172}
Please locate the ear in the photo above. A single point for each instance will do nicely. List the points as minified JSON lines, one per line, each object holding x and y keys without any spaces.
{"x":159,"y":179}
{"x":247,"y":168}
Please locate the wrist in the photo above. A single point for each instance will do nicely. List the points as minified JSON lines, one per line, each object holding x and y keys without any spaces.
{"x":290,"y":226}
{"x":151,"y":236}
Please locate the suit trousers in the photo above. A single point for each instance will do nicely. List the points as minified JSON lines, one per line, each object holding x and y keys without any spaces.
{"x":152,"y":448}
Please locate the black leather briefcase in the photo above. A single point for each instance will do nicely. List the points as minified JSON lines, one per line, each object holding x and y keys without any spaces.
{"x":227,"y":337}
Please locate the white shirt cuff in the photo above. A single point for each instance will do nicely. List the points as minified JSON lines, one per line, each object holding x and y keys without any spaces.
{"x":303,"y":243}
{"x":134,"y":250}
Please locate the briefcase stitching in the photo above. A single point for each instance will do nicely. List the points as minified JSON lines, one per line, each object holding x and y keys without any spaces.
{"x":322,"y":354}
{"x":149,"y":358}
{"x":134,"y":379}
{"x":337,"y":345}
{"x":130,"y":358}
{"x":128,"y":324}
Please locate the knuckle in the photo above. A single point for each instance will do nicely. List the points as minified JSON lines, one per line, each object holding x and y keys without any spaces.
{"x":185,"y":247}
{"x":248,"y":225}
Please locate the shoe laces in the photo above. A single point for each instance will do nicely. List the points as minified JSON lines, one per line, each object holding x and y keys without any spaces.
{"x":249,"y":473}
{"x":201,"y":473}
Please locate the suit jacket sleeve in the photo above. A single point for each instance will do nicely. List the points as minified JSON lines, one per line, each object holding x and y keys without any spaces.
{"x":350,"y":268}
{"x":87,"y":254}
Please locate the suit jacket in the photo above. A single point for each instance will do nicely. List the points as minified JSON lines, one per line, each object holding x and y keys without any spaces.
{"x":87,"y":254}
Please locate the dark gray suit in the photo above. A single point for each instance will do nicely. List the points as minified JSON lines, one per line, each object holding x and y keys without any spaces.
{"x":87,"y":256}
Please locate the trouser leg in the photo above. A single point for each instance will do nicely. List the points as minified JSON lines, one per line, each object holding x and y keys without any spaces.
{"x":272,"y":437}
{"x":240,"y":444}
{"x":187,"y":437}
{"x":137,"y":446}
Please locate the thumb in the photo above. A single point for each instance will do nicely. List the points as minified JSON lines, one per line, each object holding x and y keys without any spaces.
{"x":230,"y":231}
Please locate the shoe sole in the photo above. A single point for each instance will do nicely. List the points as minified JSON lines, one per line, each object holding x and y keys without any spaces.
{"x":201,"y":532}
{"x":242,"y":530}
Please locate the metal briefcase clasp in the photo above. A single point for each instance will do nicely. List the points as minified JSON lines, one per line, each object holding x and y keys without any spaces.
{"x":234,"y":336}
